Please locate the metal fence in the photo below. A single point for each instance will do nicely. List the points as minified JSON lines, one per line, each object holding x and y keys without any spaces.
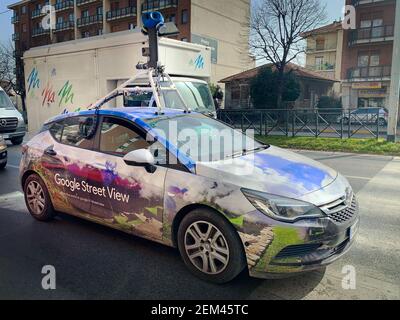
{"x":360,"y":123}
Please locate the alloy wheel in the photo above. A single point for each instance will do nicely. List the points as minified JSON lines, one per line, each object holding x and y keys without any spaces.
{"x":206,"y":247}
{"x":35,"y":197}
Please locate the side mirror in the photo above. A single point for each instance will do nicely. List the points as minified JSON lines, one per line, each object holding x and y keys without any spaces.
{"x":141,"y":158}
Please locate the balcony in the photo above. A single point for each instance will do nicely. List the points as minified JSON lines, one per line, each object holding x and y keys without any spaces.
{"x":83,"y":2}
{"x":371,"y":35}
{"x":154,"y":5}
{"x":85,"y":21}
{"x":326,"y":47}
{"x":66,"y":25}
{"x":15,"y":36}
{"x":361,"y":2}
{"x":40,"y":32}
{"x":61,"y":6}
{"x":14,"y":19}
{"x":321,"y":67}
{"x":121,"y":13}
{"x":37,"y":13}
{"x":369,"y":73}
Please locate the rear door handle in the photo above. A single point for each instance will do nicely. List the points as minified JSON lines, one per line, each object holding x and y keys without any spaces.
{"x":50,"y":152}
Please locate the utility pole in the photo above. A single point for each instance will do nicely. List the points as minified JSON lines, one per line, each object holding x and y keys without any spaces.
{"x":395,"y":80}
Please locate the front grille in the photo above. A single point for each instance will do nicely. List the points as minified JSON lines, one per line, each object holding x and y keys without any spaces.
{"x":340,"y":211}
{"x":8,"y":124}
{"x":298,"y":250}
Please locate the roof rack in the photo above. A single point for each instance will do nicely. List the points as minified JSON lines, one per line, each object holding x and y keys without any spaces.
{"x":159,"y":81}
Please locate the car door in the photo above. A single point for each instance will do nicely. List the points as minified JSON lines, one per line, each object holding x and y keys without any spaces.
{"x":128,"y":197}
{"x":68,"y":161}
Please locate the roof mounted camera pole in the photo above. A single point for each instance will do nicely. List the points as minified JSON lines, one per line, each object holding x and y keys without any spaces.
{"x":153,"y":26}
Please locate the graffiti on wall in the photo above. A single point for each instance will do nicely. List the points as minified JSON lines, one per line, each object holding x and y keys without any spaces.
{"x":66,"y":94}
{"x":33,"y":80}
{"x":48,"y":95}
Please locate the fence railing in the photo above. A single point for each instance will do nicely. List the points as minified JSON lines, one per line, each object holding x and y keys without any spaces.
{"x":371,"y":33}
{"x":369,"y":72}
{"x":360,"y":123}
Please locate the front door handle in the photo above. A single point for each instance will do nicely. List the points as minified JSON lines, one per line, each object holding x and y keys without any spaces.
{"x":50,"y":152}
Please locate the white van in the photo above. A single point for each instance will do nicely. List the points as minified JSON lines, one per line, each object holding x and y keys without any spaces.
{"x":195,"y":93}
{"x":12,"y":124}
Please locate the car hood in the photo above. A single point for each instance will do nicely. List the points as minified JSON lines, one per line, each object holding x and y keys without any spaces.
{"x":274,"y":170}
{"x":9,"y":113}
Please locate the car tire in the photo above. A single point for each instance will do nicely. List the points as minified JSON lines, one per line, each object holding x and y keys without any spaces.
{"x":224,"y":253}
{"x":381,"y":122}
{"x":3,"y":165}
{"x":17,"y":141}
{"x":37,"y":199}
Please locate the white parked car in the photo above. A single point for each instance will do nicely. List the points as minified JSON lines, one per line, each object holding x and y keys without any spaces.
{"x":12,"y":124}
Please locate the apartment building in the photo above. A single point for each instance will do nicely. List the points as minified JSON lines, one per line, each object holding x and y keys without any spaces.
{"x":324,"y":52}
{"x":217,"y":24}
{"x":367,"y":54}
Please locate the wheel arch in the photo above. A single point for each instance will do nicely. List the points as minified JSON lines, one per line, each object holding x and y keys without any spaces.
{"x":191,"y":207}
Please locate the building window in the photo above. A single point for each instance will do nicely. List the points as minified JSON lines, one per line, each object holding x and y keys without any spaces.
{"x":23,"y":10}
{"x":172,"y":18}
{"x":24,"y":27}
{"x":99,"y":32}
{"x":86,"y":34}
{"x":185,"y":16}
{"x":99,"y":10}
{"x":131,"y":26}
{"x":60,"y":19}
{"x":320,"y":44}
{"x":85,"y":14}
{"x":132,"y":3}
{"x":71,"y":17}
{"x":319,"y":62}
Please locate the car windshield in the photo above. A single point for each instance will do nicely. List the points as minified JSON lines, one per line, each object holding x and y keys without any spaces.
{"x":196,"y":95}
{"x":5,"y":101}
{"x":204,"y":139}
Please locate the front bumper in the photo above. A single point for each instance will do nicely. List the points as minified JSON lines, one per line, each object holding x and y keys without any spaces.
{"x":304,"y":246}
{"x":19,"y":132}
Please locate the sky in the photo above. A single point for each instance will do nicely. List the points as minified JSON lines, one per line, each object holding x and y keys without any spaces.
{"x":334,"y":9}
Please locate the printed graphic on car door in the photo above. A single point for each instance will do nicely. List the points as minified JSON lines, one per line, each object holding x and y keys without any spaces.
{"x":67,"y":160}
{"x":128,"y":197}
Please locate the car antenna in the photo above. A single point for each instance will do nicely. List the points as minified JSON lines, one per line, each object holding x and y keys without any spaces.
{"x":153,"y":27}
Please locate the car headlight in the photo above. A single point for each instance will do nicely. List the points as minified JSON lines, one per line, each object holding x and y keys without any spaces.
{"x":281,"y":208}
{"x":21,"y":122}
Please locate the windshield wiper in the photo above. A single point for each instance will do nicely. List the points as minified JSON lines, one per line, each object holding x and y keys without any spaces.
{"x":245,"y":151}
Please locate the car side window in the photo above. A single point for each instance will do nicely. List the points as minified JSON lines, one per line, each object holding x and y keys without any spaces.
{"x":76,"y":130}
{"x":119,"y":137}
{"x":56,"y":130}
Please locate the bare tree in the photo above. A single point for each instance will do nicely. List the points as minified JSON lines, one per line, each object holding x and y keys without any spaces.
{"x":276,"y":27}
{"x":8,"y":76}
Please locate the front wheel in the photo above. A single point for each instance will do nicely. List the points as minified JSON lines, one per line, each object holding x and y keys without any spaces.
{"x":37,"y":199}
{"x":210,"y":246}
{"x":17,"y":141}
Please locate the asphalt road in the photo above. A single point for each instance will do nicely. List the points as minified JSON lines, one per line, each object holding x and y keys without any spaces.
{"x":93,"y":262}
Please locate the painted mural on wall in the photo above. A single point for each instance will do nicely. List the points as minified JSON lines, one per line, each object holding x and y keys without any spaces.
{"x":52,"y":93}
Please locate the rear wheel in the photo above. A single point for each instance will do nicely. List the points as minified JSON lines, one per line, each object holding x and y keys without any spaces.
{"x":210,"y":246}
{"x":17,"y":141}
{"x":3,"y":165}
{"x":37,"y":199}
{"x":382,"y":122}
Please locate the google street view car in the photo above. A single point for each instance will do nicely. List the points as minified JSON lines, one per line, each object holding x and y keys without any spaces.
{"x":183,"y":179}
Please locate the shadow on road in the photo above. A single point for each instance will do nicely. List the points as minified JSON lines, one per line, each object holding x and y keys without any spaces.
{"x":95,"y":262}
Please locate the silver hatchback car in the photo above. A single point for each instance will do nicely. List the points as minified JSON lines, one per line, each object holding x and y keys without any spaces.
{"x":263,"y":208}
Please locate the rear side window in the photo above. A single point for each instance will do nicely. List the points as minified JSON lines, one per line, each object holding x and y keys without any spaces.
{"x":56,"y":130}
{"x":74,"y":131}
